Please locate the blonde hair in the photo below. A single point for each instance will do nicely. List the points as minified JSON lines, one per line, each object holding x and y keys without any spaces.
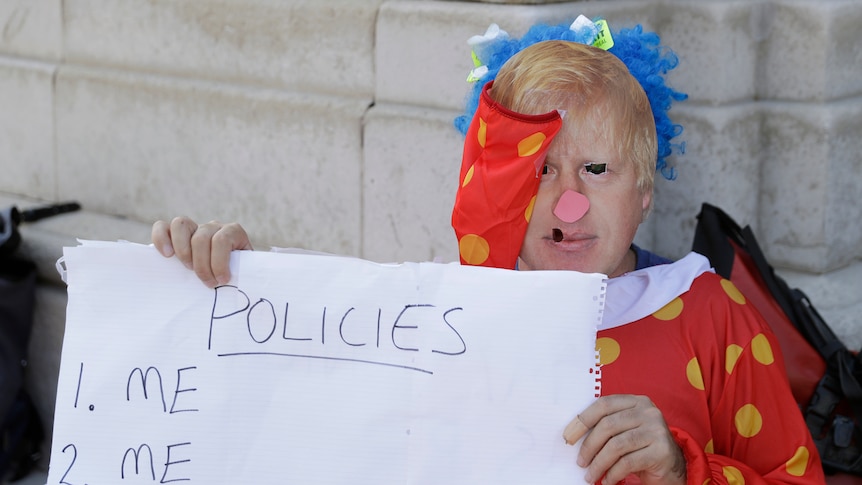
{"x":559,"y":74}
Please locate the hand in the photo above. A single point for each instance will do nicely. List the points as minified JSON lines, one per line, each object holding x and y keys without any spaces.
{"x":204,"y":248}
{"x":626,"y":434}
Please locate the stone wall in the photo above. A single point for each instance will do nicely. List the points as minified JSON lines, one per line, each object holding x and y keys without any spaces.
{"x":327,"y":124}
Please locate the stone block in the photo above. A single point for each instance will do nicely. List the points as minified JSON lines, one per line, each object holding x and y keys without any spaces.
{"x":32,"y":29}
{"x":287,"y":166}
{"x":323,"y":46}
{"x":412,"y":161}
{"x":810,"y":190}
{"x":721,"y":165}
{"x":717,"y":44}
{"x":810,"y":51}
{"x":27,"y":128}
{"x":422,"y":55}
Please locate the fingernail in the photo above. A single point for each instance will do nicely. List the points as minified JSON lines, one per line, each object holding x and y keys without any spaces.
{"x":167,"y":250}
{"x":223,"y":279}
{"x":581,"y":462}
{"x":587,"y":477}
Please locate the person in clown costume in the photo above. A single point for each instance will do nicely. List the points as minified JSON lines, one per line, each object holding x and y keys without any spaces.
{"x":563,"y":135}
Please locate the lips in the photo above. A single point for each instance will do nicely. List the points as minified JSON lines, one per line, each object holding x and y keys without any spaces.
{"x":570,"y":241}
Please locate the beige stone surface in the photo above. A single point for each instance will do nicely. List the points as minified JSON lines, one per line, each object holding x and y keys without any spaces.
{"x":422,"y":55}
{"x":26,"y":127}
{"x":720,"y":166}
{"x":810,"y":191}
{"x":32,"y":29}
{"x":811,"y":51}
{"x":717,"y":44}
{"x":322,"y":46}
{"x":286,"y":165}
{"x":412,"y":160}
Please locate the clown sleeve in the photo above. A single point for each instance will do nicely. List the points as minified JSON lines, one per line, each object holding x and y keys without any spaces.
{"x":501,"y":168}
{"x":758,"y":433}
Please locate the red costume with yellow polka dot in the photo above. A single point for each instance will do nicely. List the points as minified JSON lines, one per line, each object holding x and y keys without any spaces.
{"x":677,"y":333}
{"x":723,"y":388}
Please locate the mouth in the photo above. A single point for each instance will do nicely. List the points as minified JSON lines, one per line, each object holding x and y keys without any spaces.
{"x":570,"y":241}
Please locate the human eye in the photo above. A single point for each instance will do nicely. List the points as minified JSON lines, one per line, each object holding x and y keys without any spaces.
{"x":596,"y":168}
{"x":548,"y":173}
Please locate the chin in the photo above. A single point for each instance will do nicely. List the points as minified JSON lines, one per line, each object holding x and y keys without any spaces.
{"x":561,"y":264}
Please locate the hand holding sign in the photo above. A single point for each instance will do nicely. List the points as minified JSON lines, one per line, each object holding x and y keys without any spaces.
{"x":205,"y":248}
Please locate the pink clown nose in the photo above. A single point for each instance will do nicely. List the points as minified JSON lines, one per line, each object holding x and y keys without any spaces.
{"x":571,"y":206}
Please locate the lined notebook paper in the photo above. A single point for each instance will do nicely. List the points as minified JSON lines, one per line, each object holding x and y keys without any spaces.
{"x":314,"y":369}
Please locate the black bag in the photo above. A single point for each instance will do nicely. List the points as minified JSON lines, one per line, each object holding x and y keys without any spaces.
{"x":21,"y":432}
{"x":20,"y":428}
{"x":826,"y":377}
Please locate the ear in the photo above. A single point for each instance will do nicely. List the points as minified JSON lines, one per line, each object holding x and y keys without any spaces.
{"x":646,"y":205}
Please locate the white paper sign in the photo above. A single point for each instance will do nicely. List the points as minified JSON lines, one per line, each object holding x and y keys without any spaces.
{"x":313,"y":369}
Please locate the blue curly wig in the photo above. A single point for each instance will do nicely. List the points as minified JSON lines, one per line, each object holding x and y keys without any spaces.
{"x":640,"y":51}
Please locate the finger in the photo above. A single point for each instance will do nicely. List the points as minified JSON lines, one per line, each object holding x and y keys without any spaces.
{"x":607,"y":417}
{"x":605,"y":406}
{"x":617,"y":457}
{"x":161,"y":238}
{"x":181,"y":231}
{"x":623,"y":466}
{"x":201,"y":244}
{"x":228,"y":238}
{"x":574,"y":431}
{"x":653,"y":464}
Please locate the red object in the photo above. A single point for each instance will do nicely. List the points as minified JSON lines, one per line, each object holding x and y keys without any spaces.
{"x":804,"y":364}
{"x":504,"y":152}
{"x":712,"y":366}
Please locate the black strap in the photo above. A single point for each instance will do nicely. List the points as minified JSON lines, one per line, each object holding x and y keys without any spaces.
{"x":36,"y":213}
{"x":850,"y":385}
{"x":714,"y":227}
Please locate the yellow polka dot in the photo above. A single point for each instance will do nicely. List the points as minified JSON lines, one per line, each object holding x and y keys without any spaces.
{"x":482,"y":133}
{"x":710,"y":447}
{"x":797,"y":465}
{"x":731,"y":356}
{"x":609,"y":350}
{"x":707,"y":481}
{"x":748,"y":421}
{"x":528,"y":214}
{"x":669,"y":311}
{"x":474,"y":249}
{"x":692,"y":371}
{"x":469,"y":176}
{"x":733,"y":292}
{"x":762,"y":350}
{"x":733,"y":475}
{"x":531,"y":144}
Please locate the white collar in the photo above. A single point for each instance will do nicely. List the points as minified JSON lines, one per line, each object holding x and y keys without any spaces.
{"x":637,"y":294}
